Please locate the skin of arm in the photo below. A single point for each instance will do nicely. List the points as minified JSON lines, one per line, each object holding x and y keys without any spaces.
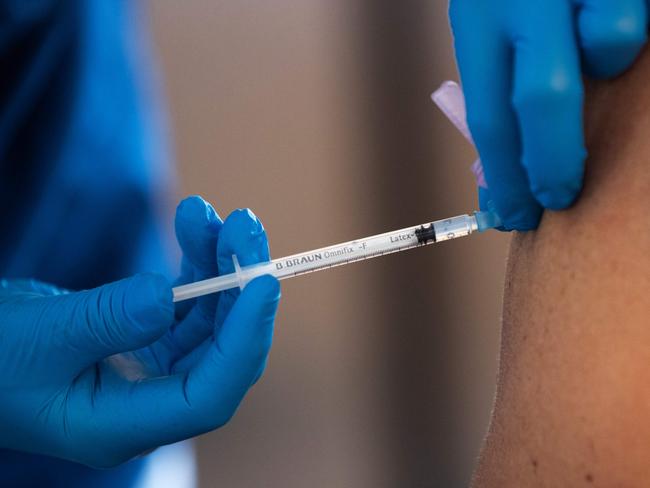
{"x":573,"y":396}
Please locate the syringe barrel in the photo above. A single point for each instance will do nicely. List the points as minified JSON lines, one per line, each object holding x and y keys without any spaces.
{"x":379,"y":245}
{"x":344,"y":253}
{"x":337,"y":255}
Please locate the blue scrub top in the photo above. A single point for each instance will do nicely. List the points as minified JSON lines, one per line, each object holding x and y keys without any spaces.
{"x":84,"y":174}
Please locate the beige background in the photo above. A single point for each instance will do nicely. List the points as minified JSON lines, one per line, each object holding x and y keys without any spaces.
{"x":316,"y":114}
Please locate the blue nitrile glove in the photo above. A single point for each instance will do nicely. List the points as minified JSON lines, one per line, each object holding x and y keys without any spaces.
{"x":70,"y":390}
{"x":520,"y":65}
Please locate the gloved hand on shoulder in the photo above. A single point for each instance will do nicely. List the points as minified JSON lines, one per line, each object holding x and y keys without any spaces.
{"x":521,"y":65}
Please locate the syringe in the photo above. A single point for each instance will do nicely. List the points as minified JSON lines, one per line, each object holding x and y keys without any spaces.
{"x":344,"y":253}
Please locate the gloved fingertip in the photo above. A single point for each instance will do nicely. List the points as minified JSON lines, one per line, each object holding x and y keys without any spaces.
{"x":266,"y":287}
{"x":242,"y":234}
{"x":520,"y":226}
{"x":517,"y":221}
{"x":244,"y":220}
{"x":521,"y":219}
{"x":557,"y":198}
{"x":611,"y":41}
{"x":197,"y":227}
{"x":149,"y":302}
{"x":610,"y":61}
{"x":598,"y":70}
{"x":194,"y":208}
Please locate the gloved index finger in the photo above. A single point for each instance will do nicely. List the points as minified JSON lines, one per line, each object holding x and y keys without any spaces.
{"x":483,"y":52}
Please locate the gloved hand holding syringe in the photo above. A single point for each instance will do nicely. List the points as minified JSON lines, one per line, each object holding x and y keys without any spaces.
{"x":449,"y":99}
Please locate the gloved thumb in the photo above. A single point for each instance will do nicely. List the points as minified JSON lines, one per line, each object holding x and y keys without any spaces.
{"x":118,"y":317}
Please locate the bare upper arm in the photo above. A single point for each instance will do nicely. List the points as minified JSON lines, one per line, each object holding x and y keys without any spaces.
{"x":573,"y":402}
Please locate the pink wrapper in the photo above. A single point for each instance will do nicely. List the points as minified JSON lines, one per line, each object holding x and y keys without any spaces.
{"x":450,"y":99}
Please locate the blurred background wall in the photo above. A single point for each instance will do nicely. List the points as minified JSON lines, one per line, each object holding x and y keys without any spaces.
{"x":316,"y":114}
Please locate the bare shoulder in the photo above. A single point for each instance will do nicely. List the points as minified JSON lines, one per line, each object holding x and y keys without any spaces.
{"x":573,"y":403}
